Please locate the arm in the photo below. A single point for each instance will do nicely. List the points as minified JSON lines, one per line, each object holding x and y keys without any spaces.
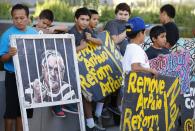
{"x":82,"y":45}
{"x":138,"y":67}
{"x":93,"y":40}
{"x":57,"y":28}
{"x":119,"y":38}
{"x":6,"y":57}
{"x":116,"y":36}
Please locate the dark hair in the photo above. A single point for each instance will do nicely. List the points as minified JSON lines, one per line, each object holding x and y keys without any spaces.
{"x":82,"y":11}
{"x":169,"y":9}
{"x":92,"y":11}
{"x":46,"y":14}
{"x":172,"y":33}
{"x":19,"y":7}
{"x":132,"y":35}
{"x":123,"y":7}
{"x":156,"y":31}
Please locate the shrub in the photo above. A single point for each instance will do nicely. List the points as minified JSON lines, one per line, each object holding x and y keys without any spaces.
{"x":62,"y":11}
{"x":107,"y":14}
{"x":5,"y":10}
{"x":149,"y":17}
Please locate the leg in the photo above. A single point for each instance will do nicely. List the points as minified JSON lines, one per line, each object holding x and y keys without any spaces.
{"x":12,"y":110}
{"x":88,"y":113}
{"x":87,"y":108}
{"x":9,"y":116}
{"x":19,"y":124}
{"x":8,"y":123}
{"x":99,"y":107}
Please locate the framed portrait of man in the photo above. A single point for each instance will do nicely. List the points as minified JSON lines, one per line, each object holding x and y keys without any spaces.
{"x":46,"y":69}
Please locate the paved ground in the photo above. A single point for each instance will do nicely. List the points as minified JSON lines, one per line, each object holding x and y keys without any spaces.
{"x":112,"y":129}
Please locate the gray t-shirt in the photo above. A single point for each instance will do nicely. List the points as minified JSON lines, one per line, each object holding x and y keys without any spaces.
{"x":80,"y":36}
{"x":116,"y":27}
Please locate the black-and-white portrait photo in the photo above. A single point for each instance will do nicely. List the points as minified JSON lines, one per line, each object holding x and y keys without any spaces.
{"x":45,"y":69}
{"x":51,"y":85}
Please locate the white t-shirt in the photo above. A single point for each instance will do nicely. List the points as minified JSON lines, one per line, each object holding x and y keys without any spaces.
{"x":134,"y":54}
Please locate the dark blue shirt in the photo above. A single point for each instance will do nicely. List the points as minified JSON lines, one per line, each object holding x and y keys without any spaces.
{"x":80,"y":36}
{"x":153,"y":52}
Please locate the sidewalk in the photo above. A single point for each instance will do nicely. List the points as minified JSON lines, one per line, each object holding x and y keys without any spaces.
{"x":116,"y":128}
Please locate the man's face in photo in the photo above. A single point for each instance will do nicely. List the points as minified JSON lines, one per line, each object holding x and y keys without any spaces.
{"x":54,"y":74}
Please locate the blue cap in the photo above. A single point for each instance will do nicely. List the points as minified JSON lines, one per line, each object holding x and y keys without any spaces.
{"x":136,"y":24}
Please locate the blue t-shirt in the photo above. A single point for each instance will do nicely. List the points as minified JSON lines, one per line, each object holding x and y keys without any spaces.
{"x":5,"y":43}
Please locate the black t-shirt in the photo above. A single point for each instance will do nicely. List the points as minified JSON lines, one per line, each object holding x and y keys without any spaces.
{"x":116,"y":27}
{"x":153,"y":52}
{"x":172,"y":33}
{"x":80,"y":36}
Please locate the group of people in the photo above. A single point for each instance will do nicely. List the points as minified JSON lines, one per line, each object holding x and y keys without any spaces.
{"x":127,"y":34}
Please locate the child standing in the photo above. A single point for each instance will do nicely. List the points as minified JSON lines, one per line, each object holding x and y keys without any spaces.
{"x":20,"y":14}
{"x":82,"y":35}
{"x":167,"y":14}
{"x":117,"y":30}
{"x":94,"y":20}
{"x":135,"y":58}
{"x":158,"y":37}
{"x":44,"y":23}
{"x":116,"y":27}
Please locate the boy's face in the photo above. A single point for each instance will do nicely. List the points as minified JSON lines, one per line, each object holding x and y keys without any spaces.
{"x":160,"y":41}
{"x":142,"y":36}
{"x":163,"y":17}
{"x":94,"y":20}
{"x":122,"y":15}
{"x":43,"y":23}
{"x":20,"y":19}
{"x":82,"y":22}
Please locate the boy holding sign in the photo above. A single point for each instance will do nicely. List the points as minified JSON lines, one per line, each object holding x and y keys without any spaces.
{"x":83,"y":35}
{"x":135,"y":58}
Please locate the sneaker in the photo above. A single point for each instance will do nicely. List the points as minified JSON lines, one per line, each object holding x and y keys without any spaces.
{"x":57,"y":111}
{"x":114,"y":110}
{"x":98,"y":121}
{"x":105,"y":114}
{"x":95,"y":128}
{"x":71,"y":108}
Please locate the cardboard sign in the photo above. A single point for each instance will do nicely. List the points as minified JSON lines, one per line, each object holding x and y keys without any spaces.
{"x":100,"y":68}
{"x":174,"y":64}
{"x":187,"y":109}
{"x":188,"y":45}
{"x":183,"y":44}
{"x":150,"y":103}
